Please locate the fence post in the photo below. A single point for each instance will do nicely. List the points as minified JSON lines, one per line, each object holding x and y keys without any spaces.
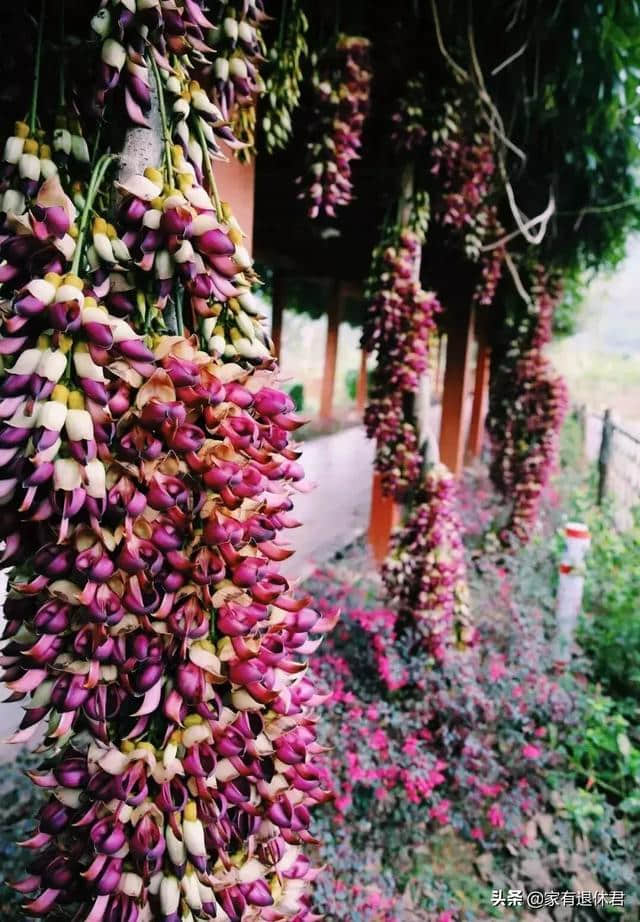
{"x":583,"y":424}
{"x":570,"y":588}
{"x":604,"y":457}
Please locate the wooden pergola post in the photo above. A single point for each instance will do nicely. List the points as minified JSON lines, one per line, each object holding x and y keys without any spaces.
{"x":456,"y":385}
{"x":361,"y":389}
{"x":480,"y":394}
{"x":334,"y":310}
{"x":278,"y":299}
{"x":385,"y":515}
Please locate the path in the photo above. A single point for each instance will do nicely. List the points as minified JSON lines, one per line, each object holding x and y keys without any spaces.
{"x":338,"y":509}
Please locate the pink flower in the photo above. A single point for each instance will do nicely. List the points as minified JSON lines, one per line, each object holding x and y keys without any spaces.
{"x":410,"y":746}
{"x":379,"y":740}
{"x":529,"y":751}
{"x":497,"y":668}
{"x":446,"y":915}
{"x":496,"y":816}
{"x":440,"y":812}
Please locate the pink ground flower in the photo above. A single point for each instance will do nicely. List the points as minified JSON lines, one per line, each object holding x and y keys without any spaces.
{"x":530,"y":751}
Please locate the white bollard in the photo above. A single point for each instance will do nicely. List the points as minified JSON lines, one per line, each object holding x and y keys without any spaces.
{"x":570,"y":588}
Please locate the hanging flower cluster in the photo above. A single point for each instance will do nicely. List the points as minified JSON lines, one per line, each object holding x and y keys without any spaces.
{"x":425,"y":571}
{"x":126,"y":29}
{"x":529,"y":401}
{"x":399,"y":324}
{"x":409,"y":131}
{"x":178,"y":40}
{"x":145,"y":480}
{"x":491,"y":260}
{"x":465,"y":166}
{"x":234,"y":77}
{"x":342,"y":96}
{"x":29,"y":158}
{"x":284,"y":82}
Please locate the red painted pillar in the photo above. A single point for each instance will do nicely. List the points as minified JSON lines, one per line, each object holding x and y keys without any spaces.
{"x":480,"y":396}
{"x":361,"y":391}
{"x":385,"y":515}
{"x":236,"y":184}
{"x":456,"y":385}
{"x":278,"y":299}
{"x":334,"y":309}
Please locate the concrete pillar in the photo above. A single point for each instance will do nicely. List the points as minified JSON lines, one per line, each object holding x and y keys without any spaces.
{"x":334,"y":310}
{"x":456,"y":385}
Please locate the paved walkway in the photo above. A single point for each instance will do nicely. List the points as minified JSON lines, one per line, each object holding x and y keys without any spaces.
{"x":338,"y":509}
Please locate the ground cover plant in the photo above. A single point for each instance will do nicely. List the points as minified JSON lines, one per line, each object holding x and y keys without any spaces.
{"x":520,"y":772}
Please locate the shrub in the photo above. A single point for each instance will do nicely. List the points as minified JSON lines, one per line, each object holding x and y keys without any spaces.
{"x":611,"y":633}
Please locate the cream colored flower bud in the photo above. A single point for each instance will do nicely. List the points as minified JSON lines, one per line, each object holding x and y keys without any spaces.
{"x":26,"y":416}
{"x":13,"y":202}
{"x":208,"y":326}
{"x":181,"y":108}
{"x":114,"y":54}
{"x":96,"y":478}
{"x":245,"y":325}
{"x":230,"y":28}
{"x":221,"y":69}
{"x":120,"y":250}
{"x":246,"y":32}
{"x":48,"y":168}
{"x":152,"y":219}
{"x":175,"y":847}
{"x":202,"y":103}
{"x":13,"y":149}
{"x":163,"y":264}
{"x":29,"y":167}
{"x":79,"y":149}
{"x":217,"y":345}
{"x":52,"y":415}
{"x":69,"y":293}
{"x":26,"y":363}
{"x":184,"y":253}
{"x":193,"y":832}
{"x":130,"y":883}
{"x":238,"y":67}
{"x":62,"y":140}
{"x":52,"y":365}
{"x":67,"y":474}
{"x":242,"y":258}
{"x":191,"y":891}
{"x":79,"y":425}
{"x":103,"y":248}
{"x":101,"y":23}
{"x":169,"y":896}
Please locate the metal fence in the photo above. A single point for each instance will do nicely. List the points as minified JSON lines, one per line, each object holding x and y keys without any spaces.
{"x":616,"y":449}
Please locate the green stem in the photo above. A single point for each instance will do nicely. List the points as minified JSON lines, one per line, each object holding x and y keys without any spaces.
{"x":96,"y":146}
{"x":166,"y":136}
{"x":213,"y":189}
{"x":283,"y":17}
{"x":36,"y":71}
{"x":95,"y":182}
